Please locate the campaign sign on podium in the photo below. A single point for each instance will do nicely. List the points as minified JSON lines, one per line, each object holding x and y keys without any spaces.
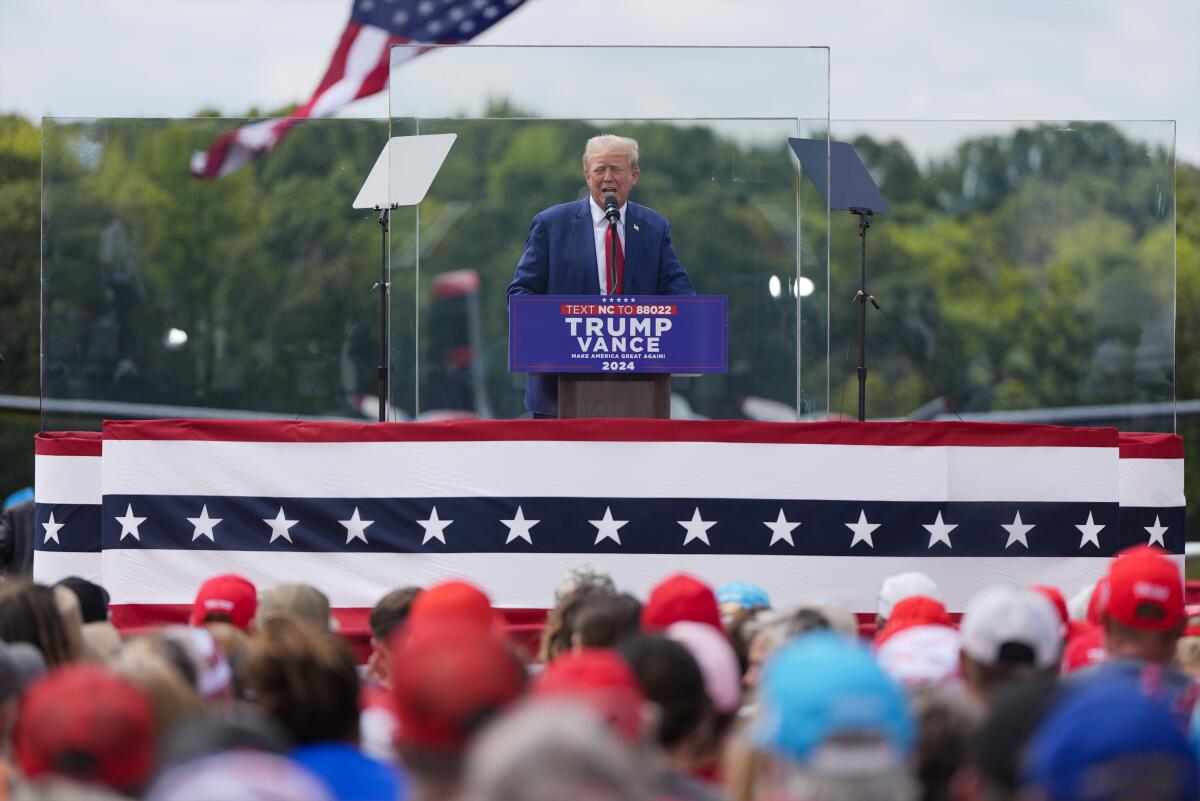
{"x":601,"y":334}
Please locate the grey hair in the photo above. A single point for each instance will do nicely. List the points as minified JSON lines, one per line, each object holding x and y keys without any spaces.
{"x":867,"y":771}
{"x":550,"y":750}
{"x":611,"y":143}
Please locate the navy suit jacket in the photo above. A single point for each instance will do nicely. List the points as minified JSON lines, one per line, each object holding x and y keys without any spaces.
{"x":560,"y":259}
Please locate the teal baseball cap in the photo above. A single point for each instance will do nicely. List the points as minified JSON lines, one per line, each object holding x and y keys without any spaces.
{"x":821,"y":686}
{"x":744,"y":594}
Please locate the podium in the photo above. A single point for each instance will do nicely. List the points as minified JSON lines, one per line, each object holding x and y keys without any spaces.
{"x":647,"y":395}
{"x":614,"y":356}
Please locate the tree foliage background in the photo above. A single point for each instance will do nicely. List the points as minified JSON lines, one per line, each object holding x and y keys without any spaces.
{"x":1030,"y":271}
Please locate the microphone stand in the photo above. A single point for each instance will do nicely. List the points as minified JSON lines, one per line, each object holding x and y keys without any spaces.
{"x":615,"y":242}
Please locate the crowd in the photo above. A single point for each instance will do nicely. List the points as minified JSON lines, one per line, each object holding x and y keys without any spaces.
{"x":688,"y":695}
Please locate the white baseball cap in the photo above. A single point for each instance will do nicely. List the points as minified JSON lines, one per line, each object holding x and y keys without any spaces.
{"x":905,"y":585}
{"x":1007,"y":615}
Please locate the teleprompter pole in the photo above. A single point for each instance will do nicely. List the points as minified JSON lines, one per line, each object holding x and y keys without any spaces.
{"x":383,"y":286}
{"x":863,"y":298}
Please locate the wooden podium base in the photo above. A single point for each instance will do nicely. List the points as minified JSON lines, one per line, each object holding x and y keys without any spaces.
{"x":647,"y":395}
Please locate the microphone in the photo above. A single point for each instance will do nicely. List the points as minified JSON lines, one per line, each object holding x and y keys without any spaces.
{"x":610,"y":208}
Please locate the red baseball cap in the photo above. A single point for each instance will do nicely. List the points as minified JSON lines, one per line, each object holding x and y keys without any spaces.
{"x":681,"y":597}
{"x":453,"y":599}
{"x":83,"y":723}
{"x":226,"y":595}
{"x":1060,"y":604}
{"x":1084,"y":649}
{"x":1095,"y":610}
{"x":449,"y":677}
{"x":600,"y":679}
{"x":1145,"y":589}
{"x":915,"y":610}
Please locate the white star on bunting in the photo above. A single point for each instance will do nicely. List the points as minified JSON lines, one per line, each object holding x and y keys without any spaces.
{"x":51,"y":530}
{"x":781,"y":530}
{"x":280,"y":526}
{"x":696,"y":528}
{"x":435,"y":528}
{"x":356,"y":527}
{"x":939,"y":531}
{"x":1156,"y":532}
{"x":518,"y":527}
{"x":129,"y":523}
{"x":1017,"y":531}
{"x":1091,"y":532}
{"x":862,"y":529}
{"x":607,"y":528}
{"x":204,"y":525}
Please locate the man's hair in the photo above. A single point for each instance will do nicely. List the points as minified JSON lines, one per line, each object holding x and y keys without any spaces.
{"x":1148,"y":645}
{"x":559,"y":632}
{"x":987,"y":680}
{"x":670,"y":677}
{"x":611,"y":143}
{"x":551,"y":749}
{"x":305,"y":679}
{"x":947,"y":723}
{"x":28,"y":613}
{"x":391,"y":611}
{"x":606,"y":620}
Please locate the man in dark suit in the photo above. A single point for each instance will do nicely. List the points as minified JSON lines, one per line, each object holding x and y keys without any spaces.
{"x":568,"y":250}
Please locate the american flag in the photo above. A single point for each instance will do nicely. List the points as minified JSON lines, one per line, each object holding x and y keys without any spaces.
{"x":359,"y":67}
{"x":808,"y":511}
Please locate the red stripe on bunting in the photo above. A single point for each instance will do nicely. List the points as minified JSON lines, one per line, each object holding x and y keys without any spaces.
{"x":825,"y":433}
{"x":1150,"y":446}
{"x":68,"y":443}
{"x":524,"y":625}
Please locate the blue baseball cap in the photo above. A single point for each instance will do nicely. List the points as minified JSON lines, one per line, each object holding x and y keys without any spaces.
{"x":1106,"y":740}
{"x":744,"y":594}
{"x":822,"y":685}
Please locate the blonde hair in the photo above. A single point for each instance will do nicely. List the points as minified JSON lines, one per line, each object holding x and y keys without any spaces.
{"x":611,"y":143}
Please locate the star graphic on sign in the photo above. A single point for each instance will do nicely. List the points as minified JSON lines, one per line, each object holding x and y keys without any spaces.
{"x":862,"y":529}
{"x":52,"y":530}
{"x":129,"y":523}
{"x":204,"y":525}
{"x":435,"y":528}
{"x":696,"y":528}
{"x":939,"y":531}
{"x":607,"y":528}
{"x":781,"y":530}
{"x":518,"y":527}
{"x":1017,"y":531}
{"x":1156,"y":532}
{"x":356,"y":527}
{"x":1091,"y":532}
{"x":280,"y":526}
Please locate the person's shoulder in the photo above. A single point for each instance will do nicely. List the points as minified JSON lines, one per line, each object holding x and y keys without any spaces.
{"x":570,"y":209}
{"x":648,"y":215}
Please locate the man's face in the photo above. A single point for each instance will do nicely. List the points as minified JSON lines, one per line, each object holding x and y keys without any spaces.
{"x":610,"y":173}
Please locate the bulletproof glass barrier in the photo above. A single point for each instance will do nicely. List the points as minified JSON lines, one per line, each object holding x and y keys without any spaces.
{"x":712,"y":124}
{"x":166,"y":295}
{"x":1026,"y":273}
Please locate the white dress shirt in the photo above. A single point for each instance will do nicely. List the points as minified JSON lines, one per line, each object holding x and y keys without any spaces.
{"x":600,"y":233}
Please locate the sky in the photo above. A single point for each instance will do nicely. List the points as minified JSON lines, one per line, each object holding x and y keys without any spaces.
{"x":889,"y":59}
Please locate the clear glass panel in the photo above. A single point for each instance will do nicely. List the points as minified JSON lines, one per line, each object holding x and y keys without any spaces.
{"x":712,"y":126}
{"x":246,"y":296}
{"x":1026,"y":273}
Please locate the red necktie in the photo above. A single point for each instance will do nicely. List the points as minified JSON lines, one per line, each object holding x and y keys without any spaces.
{"x":608,"y":244}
